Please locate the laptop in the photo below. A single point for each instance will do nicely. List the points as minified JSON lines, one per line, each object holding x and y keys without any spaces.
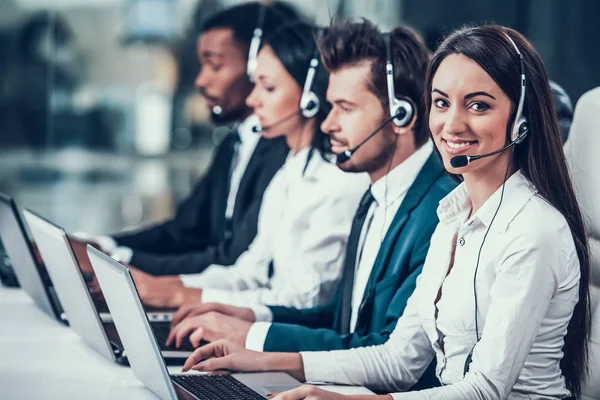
{"x":143,"y":350}
{"x":30,"y":270}
{"x":85,"y":319}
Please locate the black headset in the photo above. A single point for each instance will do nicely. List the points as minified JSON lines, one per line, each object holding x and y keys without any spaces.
{"x":401,"y":111}
{"x":519,"y":132}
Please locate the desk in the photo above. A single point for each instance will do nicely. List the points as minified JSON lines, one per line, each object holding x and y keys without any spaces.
{"x":40,"y":358}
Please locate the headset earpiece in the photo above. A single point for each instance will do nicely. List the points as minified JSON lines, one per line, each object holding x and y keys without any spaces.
{"x":309,"y":105}
{"x":520,"y":128}
{"x":309,"y":102}
{"x":521,"y":131}
{"x":255,"y":44}
{"x":402,"y":111}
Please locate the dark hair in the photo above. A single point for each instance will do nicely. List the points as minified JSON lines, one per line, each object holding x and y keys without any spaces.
{"x":242,"y":20}
{"x":351,"y":43}
{"x":295,"y":45}
{"x":540,"y":157}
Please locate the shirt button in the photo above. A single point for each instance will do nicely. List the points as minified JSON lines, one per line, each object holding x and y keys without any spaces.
{"x":461,"y":241}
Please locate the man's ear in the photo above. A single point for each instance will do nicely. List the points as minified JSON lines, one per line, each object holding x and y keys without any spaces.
{"x":408,"y":129}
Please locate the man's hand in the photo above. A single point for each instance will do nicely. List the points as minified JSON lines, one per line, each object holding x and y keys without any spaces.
{"x":210,"y":327}
{"x":187,"y":311}
{"x":163,"y":291}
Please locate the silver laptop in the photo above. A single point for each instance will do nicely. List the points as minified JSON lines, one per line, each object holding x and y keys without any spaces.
{"x":94,"y":328}
{"x":144,"y":354}
{"x":31,"y":271}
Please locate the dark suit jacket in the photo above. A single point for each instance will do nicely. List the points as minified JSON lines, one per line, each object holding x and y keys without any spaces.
{"x":392,"y":280}
{"x":196,"y":237}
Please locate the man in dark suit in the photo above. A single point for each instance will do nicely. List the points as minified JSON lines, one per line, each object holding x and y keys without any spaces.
{"x":219,"y":219}
{"x":393,"y":225}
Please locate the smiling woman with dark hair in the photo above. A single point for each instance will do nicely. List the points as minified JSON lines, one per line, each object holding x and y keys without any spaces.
{"x":502,"y":302}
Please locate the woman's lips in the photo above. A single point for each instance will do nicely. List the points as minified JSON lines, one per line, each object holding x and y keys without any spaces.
{"x":458,"y":147}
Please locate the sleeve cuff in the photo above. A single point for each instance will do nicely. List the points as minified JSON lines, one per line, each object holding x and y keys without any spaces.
{"x":262,"y":313}
{"x":122,"y":254}
{"x":192,"y":280}
{"x":216,"y":296}
{"x":316,"y":365}
{"x":409,"y":396}
{"x":257,"y":335}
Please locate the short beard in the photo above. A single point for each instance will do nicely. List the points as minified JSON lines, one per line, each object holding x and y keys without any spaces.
{"x":376,"y":163}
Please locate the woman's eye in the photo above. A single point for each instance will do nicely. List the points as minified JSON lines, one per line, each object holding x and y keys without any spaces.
{"x":440,"y":103}
{"x":479,"y":106}
{"x":269,"y":88}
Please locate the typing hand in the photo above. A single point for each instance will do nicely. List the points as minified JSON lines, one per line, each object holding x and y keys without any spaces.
{"x":307,"y":392}
{"x":187,"y":311}
{"x":163,"y":291}
{"x":210,"y":327}
{"x":223,"y":355}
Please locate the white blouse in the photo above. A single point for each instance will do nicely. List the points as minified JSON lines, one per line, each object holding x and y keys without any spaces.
{"x":303,"y":226}
{"x":527,"y":287}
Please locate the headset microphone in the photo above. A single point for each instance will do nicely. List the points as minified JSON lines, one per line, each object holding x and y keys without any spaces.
{"x":345,"y":156}
{"x":260,"y":129}
{"x":463,"y":161}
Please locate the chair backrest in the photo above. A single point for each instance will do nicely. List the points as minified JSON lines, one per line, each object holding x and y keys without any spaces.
{"x":583,"y":154}
{"x":564,"y":109}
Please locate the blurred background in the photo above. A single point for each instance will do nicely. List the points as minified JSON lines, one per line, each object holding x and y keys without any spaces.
{"x":100,"y":126}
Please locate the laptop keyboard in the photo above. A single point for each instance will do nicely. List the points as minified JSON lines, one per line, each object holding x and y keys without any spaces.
{"x":216,"y":387}
{"x":161,"y":332}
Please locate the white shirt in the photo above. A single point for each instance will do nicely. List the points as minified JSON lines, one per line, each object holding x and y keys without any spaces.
{"x":389,"y":190}
{"x":527,"y":287}
{"x":303,"y":227}
{"x":242,"y":153}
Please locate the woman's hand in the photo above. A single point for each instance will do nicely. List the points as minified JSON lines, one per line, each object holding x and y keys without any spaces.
{"x":307,"y":392}
{"x":223,"y":355}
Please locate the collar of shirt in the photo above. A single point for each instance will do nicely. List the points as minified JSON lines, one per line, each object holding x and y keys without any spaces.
{"x":517,"y":192}
{"x":248,"y":138}
{"x":399,"y":180}
{"x":295,"y":163}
